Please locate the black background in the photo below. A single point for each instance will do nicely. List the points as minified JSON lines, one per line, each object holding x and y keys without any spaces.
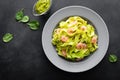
{"x":24,"y":59}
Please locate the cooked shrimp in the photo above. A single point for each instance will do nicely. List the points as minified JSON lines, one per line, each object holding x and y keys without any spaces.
{"x":94,"y":40}
{"x":64,"y":38}
{"x":83,"y":28}
{"x":84,"y":46}
{"x":64,"y":53}
{"x":81,"y":45}
{"x":71,"y":30}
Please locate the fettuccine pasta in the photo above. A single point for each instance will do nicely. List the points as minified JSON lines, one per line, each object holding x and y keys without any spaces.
{"x":74,"y":38}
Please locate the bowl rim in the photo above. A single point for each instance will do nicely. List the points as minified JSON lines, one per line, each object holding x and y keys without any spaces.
{"x":95,"y":27}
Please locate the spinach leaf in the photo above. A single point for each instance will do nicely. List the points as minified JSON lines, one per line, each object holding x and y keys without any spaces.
{"x":7,"y":37}
{"x":113,"y":58}
{"x":25,"y":19}
{"x":33,"y":25}
{"x":19,"y":15}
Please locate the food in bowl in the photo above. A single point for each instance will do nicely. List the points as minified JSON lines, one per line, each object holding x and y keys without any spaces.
{"x":75,"y":38}
{"x":42,"y":6}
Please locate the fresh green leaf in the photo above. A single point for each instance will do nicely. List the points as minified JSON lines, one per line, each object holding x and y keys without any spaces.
{"x":33,"y":25}
{"x":113,"y":58}
{"x":7,"y":37}
{"x":25,"y":19}
{"x":19,"y":15}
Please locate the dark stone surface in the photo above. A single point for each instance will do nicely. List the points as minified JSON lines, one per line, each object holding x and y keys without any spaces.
{"x":24,"y":59}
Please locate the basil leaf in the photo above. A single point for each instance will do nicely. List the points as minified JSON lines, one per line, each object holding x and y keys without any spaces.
{"x":19,"y":15}
{"x":25,"y":19}
{"x":7,"y":37}
{"x":33,"y":25}
{"x":113,"y":58}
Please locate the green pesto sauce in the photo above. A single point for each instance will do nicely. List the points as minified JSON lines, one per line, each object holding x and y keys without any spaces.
{"x":42,"y":6}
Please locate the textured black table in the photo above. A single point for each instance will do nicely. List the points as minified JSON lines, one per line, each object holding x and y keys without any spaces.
{"x":24,"y":59}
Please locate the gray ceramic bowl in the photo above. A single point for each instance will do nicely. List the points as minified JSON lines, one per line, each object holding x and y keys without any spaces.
{"x":36,"y":14}
{"x":89,"y":62}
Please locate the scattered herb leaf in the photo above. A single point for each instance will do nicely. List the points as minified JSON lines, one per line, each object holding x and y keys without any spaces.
{"x":25,"y":19}
{"x":33,"y":25}
{"x":113,"y":58}
{"x":19,"y":15}
{"x":7,"y":37}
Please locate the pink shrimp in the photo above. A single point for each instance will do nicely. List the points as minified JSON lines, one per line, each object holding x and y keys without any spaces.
{"x":64,"y":38}
{"x":94,"y":40}
{"x":70,"y":30}
{"x":64,"y":53}
{"x":81,"y":45}
{"x":83,"y":28}
{"x":84,"y":46}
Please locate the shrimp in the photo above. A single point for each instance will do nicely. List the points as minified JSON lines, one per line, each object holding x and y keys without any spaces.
{"x":64,"y":38}
{"x":94,"y":40}
{"x":83,"y":28}
{"x":64,"y":53}
{"x":70,"y":30}
{"x":81,"y":45}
